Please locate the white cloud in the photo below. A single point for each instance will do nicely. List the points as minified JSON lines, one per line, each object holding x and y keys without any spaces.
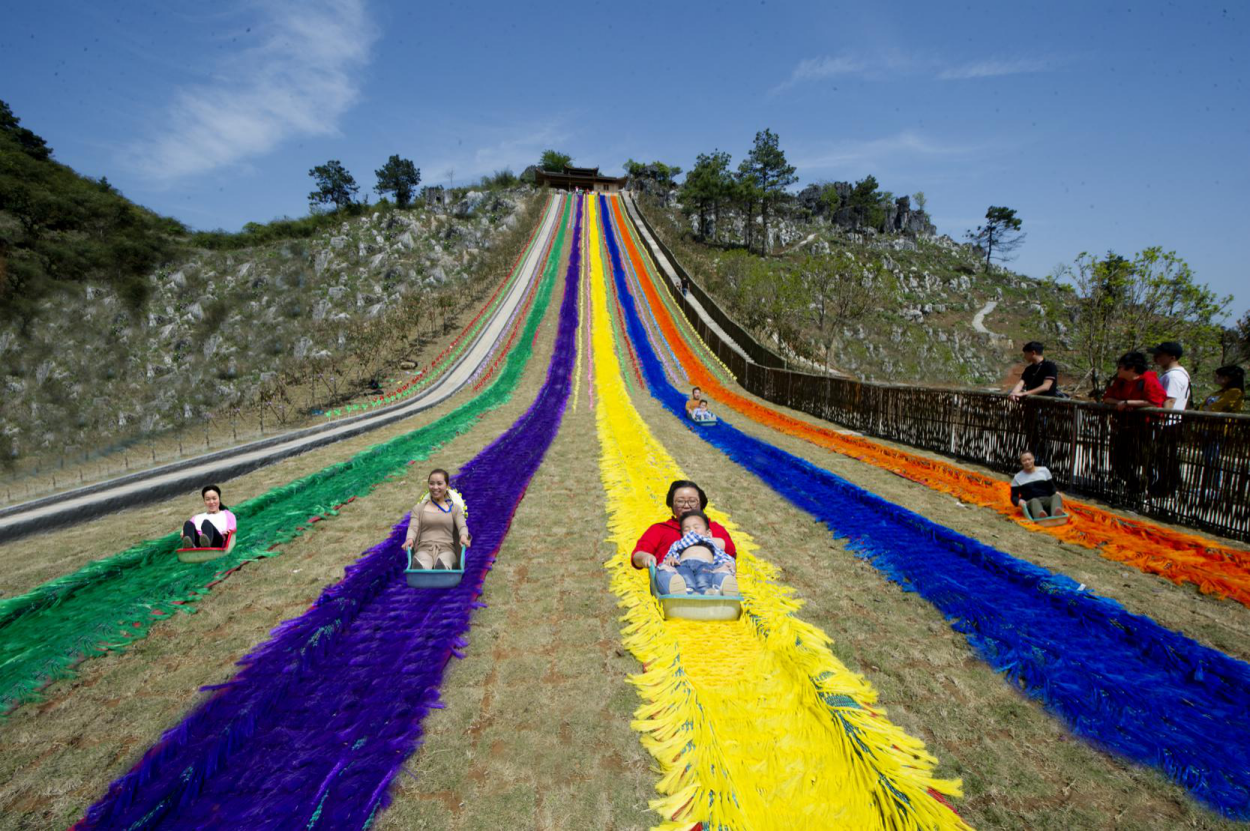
{"x":490,"y":148}
{"x":895,"y":64}
{"x":995,"y":68}
{"x":299,"y":80}
{"x":875,"y":153}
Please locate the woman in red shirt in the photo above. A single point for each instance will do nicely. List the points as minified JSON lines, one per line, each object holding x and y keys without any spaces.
{"x":1134,"y":388}
{"x":683,"y":495}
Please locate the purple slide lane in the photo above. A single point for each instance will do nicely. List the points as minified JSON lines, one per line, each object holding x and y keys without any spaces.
{"x":320,"y":718}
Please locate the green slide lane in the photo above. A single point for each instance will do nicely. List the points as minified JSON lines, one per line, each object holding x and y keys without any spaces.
{"x":112,"y":602}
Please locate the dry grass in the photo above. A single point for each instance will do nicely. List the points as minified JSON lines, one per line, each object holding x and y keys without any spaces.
{"x":1021,"y":768}
{"x":536,"y":729}
{"x":1221,"y":624}
{"x":57,"y":757}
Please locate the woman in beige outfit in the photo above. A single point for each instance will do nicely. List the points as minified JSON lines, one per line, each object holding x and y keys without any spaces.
{"x":437,"y":532}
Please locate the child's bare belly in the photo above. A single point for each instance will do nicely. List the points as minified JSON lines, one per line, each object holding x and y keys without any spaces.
{"x":697,"y":552}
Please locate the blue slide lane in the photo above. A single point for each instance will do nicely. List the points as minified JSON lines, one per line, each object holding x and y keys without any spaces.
{"x":1118,"y":680}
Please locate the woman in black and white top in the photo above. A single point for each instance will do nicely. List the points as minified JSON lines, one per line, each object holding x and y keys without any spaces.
{"x":1034,"y":486}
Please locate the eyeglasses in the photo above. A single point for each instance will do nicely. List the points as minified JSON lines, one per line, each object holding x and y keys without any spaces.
{"x":694,"y":501}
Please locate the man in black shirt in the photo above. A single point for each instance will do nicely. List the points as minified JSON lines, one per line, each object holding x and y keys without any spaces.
{"x":1040,"y":377}
{"x":1039,"y":426}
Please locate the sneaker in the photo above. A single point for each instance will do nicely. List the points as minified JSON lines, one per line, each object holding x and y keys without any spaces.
{"x":187,"y":542}
{"x":729,"y":585}
{"x":677,"y":585}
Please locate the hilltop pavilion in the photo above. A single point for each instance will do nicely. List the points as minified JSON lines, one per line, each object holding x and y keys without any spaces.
{"x":583,"y":178}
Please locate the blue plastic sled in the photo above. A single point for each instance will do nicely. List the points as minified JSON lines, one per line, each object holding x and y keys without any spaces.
{"x":696,"y":606}
{"x":435,"y":578}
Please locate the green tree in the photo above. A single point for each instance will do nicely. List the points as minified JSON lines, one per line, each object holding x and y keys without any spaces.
{"x":707,"y":187}
{"x":1237,"y":341}
{"x":31,"y":144}
{"x":766,"y":168}
{"x":838,"y":290}
{"x":920,"y":199}
{"x":829,"y":196}
{"x":400,"y":177}
{"x":657,"y":171}
{"x":58,"y":228}
{"x":1132,"y":304}
{"x":335,"y":186}
{"x":999,"y":236}
{"x":868,"y":199}
{"x":554,"y":161}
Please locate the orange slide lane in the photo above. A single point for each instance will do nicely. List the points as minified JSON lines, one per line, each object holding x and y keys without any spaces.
{"x":1176,"y":556}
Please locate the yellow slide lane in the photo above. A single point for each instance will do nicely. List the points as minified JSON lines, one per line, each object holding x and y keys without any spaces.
{"x":754,"y":724}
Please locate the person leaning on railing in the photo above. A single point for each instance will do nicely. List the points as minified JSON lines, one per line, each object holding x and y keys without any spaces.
{"x":1135,"y":387}
{"x":1040,"y":379}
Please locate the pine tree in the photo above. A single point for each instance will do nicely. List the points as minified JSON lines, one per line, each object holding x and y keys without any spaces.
{"x":334,"y":185}
{"x":400,"y":177}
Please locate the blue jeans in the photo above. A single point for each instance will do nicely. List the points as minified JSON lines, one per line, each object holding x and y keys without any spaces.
{"x":698,"y":575}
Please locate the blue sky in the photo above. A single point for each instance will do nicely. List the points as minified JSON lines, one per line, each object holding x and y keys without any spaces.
{"x":1106,"y":126}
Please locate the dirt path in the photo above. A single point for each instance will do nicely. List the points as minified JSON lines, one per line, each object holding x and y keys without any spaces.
{"x":978,"y":319}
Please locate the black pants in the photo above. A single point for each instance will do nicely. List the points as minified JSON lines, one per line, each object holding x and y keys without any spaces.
{"x":208,"y":537}
{"x":1165,"y":476}
{"x":1131,"y":457}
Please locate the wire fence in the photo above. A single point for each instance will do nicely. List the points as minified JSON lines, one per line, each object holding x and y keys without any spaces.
{"x":1190,"y":468}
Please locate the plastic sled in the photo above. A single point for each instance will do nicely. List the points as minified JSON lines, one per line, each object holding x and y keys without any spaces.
{"x":704,"y":422}
{"x":203,"y":555}
{"x":435,"y":578}
{"x":696,"y":606}
{"x":1057,"y":519}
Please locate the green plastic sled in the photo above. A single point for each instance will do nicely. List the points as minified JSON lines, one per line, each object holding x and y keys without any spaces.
{"x":696,"y":606}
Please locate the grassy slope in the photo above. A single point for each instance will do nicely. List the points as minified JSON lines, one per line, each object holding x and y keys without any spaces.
{"x":59,"y":756}
{"x":536,"y":730}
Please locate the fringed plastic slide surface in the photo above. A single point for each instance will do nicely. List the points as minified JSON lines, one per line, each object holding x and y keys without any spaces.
{"x":435,"y":578}
{"x":753,"y":723}
{"x":203,"y":555}
{"x":1117,"y":679}
{"x":320,"y":718}
{"x":1169,"y":553}
{"x":43,"y":632}
{"x":697,"y":606}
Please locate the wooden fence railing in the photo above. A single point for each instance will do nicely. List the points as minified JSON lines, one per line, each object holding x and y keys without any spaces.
{"x":1192,"y":469}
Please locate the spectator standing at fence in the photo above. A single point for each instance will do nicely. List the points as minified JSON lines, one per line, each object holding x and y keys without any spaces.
{"x":1175,"y":378}
{"x":1134,"y":388}
{"x":1040,"y":376}
{"x":1040,"y":379}
{"x":1231,"y":381}
{"x":1166,"y":476}
{"x":1035,"y":487}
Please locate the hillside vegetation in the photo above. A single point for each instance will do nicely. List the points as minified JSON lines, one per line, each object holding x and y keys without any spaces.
{"x":119,"y":325}
{"x":895,"y":307}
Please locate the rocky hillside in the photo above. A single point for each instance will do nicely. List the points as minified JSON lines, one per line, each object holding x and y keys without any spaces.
{"x":269,"y":332}
{"x":935,"y":316}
